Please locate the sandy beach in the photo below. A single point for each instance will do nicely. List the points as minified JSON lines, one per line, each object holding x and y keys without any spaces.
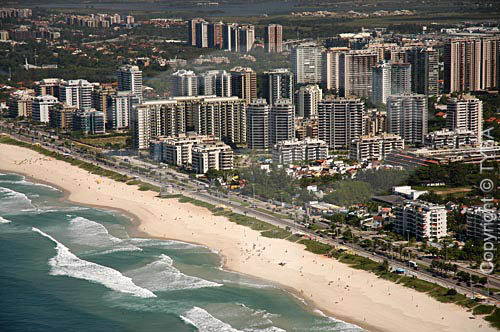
{"x":355,"y":296}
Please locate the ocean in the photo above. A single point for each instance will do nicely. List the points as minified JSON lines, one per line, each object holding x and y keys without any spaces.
{"x":66,"y":267}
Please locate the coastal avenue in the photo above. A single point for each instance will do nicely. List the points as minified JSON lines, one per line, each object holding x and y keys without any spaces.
{"x":196,"y":191}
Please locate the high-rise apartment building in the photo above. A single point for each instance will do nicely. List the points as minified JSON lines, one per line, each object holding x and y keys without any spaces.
{"x":421,"y":220}
{"x":215,"y":83}
{"x":483,"y":223}
{"x":184,"y":83}
{"x":424,"y":70}
{"x":258,"y":125}
{"x":308,"y":98}
{"x":121,"y":104}
{"x":471,"y":64}
{"x":390,"y":79}
{"x":331,"y":67}
{"x":244,"y":83}
{"x":48,"y":86}
{"x":246,"y":38}
{"x":41,"y":106}
{"x":101,"y":99}
{"x":221,"y":117}
{"x":214,"y":35}
{"x":277,"y":84}
{"x":156,"y":118}
{"x":307,"y":63}
{"x":192,"y":30}
{"x":76,"y":93}
{"x":407,"y":117}
{"x":61,"y":116}
{"x":282,"y":121}
{"x":273,"y":38}
{"x":356,"y":73}
{"x":340,"y":120}
{"x":130,"y":79}
{"x":466,"y":113}
{"x":21,"y":104}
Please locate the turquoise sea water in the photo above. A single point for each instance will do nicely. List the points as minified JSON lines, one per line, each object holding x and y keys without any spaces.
{"x":71,"y":268}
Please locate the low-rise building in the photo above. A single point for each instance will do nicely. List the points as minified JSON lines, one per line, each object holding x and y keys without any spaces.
{"x":214,"y":155}
{"x":450,"y":139}
{"x":420,"y":219}
{"x":368,"y":148}
{"x":286,"y":152}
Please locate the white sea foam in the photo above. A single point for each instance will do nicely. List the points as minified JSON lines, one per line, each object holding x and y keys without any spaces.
{"x":29,"y":183}
{"x":90,"y":233}
{"x":341,"y":325}
{"x":4,"y":221}
{"x":205,"y":322}
{"x":12,"y":201}
{"x":161,"y":275}
{"x":168,"y":244}
{"x":65,"y":263}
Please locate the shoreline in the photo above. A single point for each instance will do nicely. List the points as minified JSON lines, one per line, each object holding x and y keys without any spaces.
{"x":385,"y":307}
{"x":132,"y":229}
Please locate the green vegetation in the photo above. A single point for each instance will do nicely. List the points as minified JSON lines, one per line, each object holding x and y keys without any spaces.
{"x":316,"y":247}
{"x":483,"y":309}
{"x":494,"y":318}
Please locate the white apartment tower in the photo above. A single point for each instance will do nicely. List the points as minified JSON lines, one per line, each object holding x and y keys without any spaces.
{"x":282,"y":121}
{"x":130,"y":79}
{"x":258,"y":125}
{"x":356,"y":72}
{"x":215,"y":83}
{"x":407,"y":117}
{"x":466,"y":113}
{"x":331,"y":67}
{"x":41,"y":106}
{"x":184,"y":83}
{"x":306,"y":63}
{"x":76,"y":93}
{"x":121,"y":105}
{"x":390,"y":79}
{"x":340,"y":121}
{"x":308,"y":98}
{"x":420,"y":219}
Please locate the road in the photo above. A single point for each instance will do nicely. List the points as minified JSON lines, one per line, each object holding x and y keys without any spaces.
{"x":194,"y":190}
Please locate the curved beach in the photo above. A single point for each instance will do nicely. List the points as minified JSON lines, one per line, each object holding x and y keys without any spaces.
{"x":355,"y":296}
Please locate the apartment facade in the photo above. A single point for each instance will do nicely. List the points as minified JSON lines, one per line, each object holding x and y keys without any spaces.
{"x":421,"y":220}
{"x":286,"y":152}
{"x":307,"y":63}
{"x":369,"y":148}
{"x":277,"y":84}
{"x":282,"y":121}
{"x":407,"y":117}
{"x":308,"y":98}
{"x":465,"y":113}
{"x":273,"y":38}
{"x":340,"y":121}
{"x":130,"y":79}
{"x":258,"y":113}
